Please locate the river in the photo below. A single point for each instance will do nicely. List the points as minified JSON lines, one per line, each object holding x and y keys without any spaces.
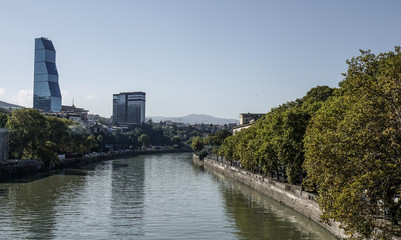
{"x":160,"y":196}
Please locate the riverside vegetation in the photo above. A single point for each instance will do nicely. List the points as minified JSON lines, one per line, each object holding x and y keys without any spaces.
{"x":344,"y":143}
{"x":36,"y":136}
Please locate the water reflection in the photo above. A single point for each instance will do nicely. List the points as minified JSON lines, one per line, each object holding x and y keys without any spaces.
{"x":127,"y":198}
{"x":258,"y":217}
{"x":29,"y":208}
{"x":147,"y":197}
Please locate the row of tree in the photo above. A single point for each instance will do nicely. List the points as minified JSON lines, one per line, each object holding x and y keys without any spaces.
{"x":274,"y":144}
{"x":213,"y":141}
{"x":353,"y":148}
{"x":344,"y":143}
{"x":155,"y":134}
{"x":35,"y":136}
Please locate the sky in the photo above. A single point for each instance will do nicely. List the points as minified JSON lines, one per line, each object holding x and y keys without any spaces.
{"x":215,"y":57}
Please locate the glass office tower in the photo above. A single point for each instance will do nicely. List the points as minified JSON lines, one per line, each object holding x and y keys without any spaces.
{"x":46,"y":91}
{"x":129,"y":108}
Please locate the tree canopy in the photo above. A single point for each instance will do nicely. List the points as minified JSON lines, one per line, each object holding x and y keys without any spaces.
{"x":274,"y":144}
{"x":3,"y":119}
{"x":35,"y":136}
{"x":197,"y":144}
{"x":144,"y":139}
{"x":218,"y":137}
{"x":353,"y":148}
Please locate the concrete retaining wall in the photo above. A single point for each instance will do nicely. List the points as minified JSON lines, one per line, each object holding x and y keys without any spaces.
{"x":289,"y":195}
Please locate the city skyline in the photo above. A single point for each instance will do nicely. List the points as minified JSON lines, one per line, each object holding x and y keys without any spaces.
{"x":220,"y":58}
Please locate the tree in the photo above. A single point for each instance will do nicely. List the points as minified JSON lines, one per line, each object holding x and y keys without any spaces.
{"x":28,"y":133}
{"x":218,"y":137}
{"x":353,"y":144}
{"x":177,"y":141}
{"x":197,"y":144}
{"x":227,"y":149}
{"x":275,"y":142}
{"x":79,"y":138}
{"x":100,"y":140}
{"x":202,"y":154}
{"x":92,"y":143}
{"x":58,"y":133}
{"x":3,"y":119}
{"x":144,"y":139}
{"x":48,"y":153}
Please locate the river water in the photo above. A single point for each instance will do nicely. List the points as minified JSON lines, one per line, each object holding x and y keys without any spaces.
{"x":146,"y":197}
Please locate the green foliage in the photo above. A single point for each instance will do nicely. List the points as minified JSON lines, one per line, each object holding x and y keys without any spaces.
{"x":3,"y":120}
{"x":100,"y":142}
{"x":27,"y":133}
{"x":202,"y":154}
{"x":197,"y":144}
{"x":160,"y":134}
{"x":80,"y":143}
{"x":144,"y":140}
{"x":35,"y":136}
{"x":218,"y":137}
{"x":58,"y":133}
{"x":275,"y":142}
{"x":228,"y":149}
{"x":177,"y":140}
{"x":92,"y":143}
{"x":48,"y":153}
{"x":353,"y":145}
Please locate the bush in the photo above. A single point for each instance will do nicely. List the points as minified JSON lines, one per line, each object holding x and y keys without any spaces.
{"x":202,"y":154}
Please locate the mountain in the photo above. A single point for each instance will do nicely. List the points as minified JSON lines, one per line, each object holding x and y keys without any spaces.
{"x":196,"y":118}
{"x":9,"y":105}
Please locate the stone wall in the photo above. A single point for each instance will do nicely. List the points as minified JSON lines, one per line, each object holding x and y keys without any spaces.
{"x":289,"y":195}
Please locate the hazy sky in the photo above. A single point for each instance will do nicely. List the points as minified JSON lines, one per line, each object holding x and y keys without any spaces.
{"x":213,"y":57}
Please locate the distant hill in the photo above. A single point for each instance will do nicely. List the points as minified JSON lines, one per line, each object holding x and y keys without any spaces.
{"x":9,"y":105}
{"x":196,"y":118}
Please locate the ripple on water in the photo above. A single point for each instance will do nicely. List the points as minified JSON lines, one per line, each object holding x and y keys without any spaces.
{"x":146,"y":197}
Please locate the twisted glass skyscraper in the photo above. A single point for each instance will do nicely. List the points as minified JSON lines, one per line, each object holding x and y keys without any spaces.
{"x":46,"y":91}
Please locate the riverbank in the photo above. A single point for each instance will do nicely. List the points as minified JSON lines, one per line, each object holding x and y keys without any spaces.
{"x":288,"y":195}
{"x":19,"y":168}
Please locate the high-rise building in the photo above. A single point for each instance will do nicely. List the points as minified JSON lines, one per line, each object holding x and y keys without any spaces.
{"x":3,"y":144}
{"x":46,"y":90}
{"x":129,"y":108}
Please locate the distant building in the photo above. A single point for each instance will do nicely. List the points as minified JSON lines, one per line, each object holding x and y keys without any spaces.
{"x":245,"y":118}
{"x":72,"y":113}
{"x":76,"y":114}
{"x":93,"y":118}
{"x":46,"y":90}
{"x":240,"y":127}
{"x":129,"y":108}
{"x":3,"y":144}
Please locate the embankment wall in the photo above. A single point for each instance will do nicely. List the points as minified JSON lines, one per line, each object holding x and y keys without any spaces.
{"x":289,"y":195}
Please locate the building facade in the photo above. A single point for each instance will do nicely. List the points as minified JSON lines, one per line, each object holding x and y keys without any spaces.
{"x":72,"y":113}
{"x":3,"y":144}
{"x":245,"y":118}
{"x":129,"y":108}
{"x":46,"y":90}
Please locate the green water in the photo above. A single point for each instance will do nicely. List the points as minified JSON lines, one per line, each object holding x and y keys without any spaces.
{"x":145,"y":197}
